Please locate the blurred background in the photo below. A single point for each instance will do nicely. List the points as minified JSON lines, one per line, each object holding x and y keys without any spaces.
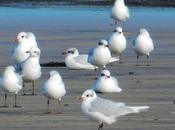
{"x":92,"y":2}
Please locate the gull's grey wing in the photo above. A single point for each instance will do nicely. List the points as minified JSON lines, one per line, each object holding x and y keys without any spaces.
{"x":20,"y":81}
{"x":82,"y":59}
{"x":90,"y":53}
{"x":133,"y":41}
{"x":18,"y":68}
{"x":109,"y":108}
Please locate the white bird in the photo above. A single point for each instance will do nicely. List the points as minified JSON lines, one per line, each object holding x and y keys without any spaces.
{"x":31,"y":40}
{"x":103,"y":110}
{"x":25,"y":40}
{"x":54,"y":88}
{"x":120,"y":11}
{"x":143,"y":44}
{"x":106,"y":83}
{"x":30,"y":68}
{"x":19,"y":53}
{"x":75,"y":61}
{"x":117,"y":42}
{"x":101,"y":55}
{"x":11,"y":82}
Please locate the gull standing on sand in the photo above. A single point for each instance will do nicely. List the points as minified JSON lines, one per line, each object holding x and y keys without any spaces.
{"x":106,"y":83}
{"x":117,"y":42}
{"x":143,"y":44}
{"x":53,"y":88}
{"x":120,"y":11}
{"x":103,"y":110}
{"x":75,"y":61}
{"x":101,"y":55}
{"x":11,"y":82}
{"x":25,"y":40}
{"x":31,"y":69}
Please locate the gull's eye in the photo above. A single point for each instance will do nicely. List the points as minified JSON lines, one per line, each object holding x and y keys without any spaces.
{"x":71,"y":52}
{"x":87,"y":95}
{"x":22,"y":36}
{"x":100,"y":43}
{"x":102,"y":74}
{"x":35,"y":51}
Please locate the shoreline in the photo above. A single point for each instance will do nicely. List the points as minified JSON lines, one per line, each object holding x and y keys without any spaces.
{"x":58,"y":28}
{"x":150,"y":3}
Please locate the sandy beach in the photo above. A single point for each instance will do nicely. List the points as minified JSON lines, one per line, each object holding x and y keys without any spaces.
{"x":61,"y":27}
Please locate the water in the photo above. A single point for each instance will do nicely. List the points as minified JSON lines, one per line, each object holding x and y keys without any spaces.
{"x":72,"y":17}
{"x":158,"y":18}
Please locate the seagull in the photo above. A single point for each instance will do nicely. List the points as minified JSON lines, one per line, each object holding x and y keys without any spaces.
{"x":31,"y":40}
{"x":106,"y":83}
{"x":105,"y":111}
{"x":25,"y":40}
{"x":117,"y":42}
{"x":30,"y":68}
{"x":120,"y":11}
{"x":101,"y":55}
{"x":19,"y":53}
{"x":143,"y":44}
{"x":75,"y":61}
{"x":53,"y":88}
{"x":11,"y":82}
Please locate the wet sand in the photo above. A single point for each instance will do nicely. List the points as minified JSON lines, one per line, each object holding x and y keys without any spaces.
{"x":63,"y":27}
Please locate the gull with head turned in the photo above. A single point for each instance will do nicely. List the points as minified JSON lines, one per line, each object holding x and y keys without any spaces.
{"x":53,"y":88}
{"x":120,"y":12}
{"x":11,"y":82}
{"x":30,"y":68}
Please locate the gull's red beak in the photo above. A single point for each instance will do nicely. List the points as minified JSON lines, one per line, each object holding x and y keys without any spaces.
{"x":16,"y":39}
{"x":64,"y":53}
{"x":79,"y":99}
{"x":106,"y":77}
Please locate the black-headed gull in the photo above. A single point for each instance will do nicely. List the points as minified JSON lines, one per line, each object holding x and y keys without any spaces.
{"x":74,"y":60}
{"x":106,"y":83}
{"x":143,"y":44}
{"x":117,"y":42}
{"x":120,"y":11}
{"x":53,"y":88}
{"x":11,"y":82}
{"x":105,"y":111}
